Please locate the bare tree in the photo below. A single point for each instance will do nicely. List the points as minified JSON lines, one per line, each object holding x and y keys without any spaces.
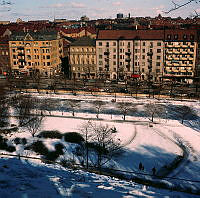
{"x":107,"y":146}
{"x":98,"y":106}
{"x":103,"y":141}
{"x":85,"y":130}
{"x":153,"y":109}
{"x":124,"y":109}
{"x":185,"y":112}
{"x":34,"y":124}
{"x":22,"y":106}
{"x":180,"y":4}
{"x":74,"y":104}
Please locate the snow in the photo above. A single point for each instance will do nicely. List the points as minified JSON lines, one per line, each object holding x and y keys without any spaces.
{"x":155,"y":146}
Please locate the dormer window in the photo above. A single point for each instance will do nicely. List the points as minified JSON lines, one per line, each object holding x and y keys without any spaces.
{"x":176,"y":36}
{"x":169,"y":36}
{"x":192,"y":37}
{"x":184,"y":36}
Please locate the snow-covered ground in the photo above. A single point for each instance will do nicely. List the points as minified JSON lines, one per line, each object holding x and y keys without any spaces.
{"x":155,"y":146}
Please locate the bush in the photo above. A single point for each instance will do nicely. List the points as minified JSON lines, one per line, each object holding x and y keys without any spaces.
{"x":17,"y":141}
{"x":10,"y":149}
{"x":73,"y":137}
{"x":59,"y":148}
{"x":51,"y":156}
{"x":20,"y":141}
{"x":23,"y":141}
{"x":50,"y":134}
{"x":97,"y":148}
{"x":38,"y":147}
{"x":4,"y":146}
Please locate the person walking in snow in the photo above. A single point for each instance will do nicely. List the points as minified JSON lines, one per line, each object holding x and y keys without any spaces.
{"x":140,"y":166}
{"x":154,"y":170}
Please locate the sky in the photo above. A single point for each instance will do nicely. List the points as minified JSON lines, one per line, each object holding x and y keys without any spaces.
{"x":94,"y":9}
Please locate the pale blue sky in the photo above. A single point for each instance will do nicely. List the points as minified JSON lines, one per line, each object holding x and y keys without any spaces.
{"x":74,"y":9}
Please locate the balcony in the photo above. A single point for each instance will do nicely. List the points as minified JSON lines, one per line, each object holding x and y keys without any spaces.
{"x":106,"y":53}
{"x":128,"y":53}
{"x":128,"y":60}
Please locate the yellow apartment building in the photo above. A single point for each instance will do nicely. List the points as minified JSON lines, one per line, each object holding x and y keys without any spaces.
{"x":36,"y":52}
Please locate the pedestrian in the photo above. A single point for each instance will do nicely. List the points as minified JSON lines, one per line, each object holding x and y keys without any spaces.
{"x":140,"y":166}
{"x":154,"y":170}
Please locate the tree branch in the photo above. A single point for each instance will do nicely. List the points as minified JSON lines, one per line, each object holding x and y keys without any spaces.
{"x":178,"y":6}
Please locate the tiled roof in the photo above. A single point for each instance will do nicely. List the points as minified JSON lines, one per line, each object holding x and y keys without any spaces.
{"x":144,"y":34}
{"x":130,"y":34}
{"x":84,"y":41}
{"x":37,"y":36}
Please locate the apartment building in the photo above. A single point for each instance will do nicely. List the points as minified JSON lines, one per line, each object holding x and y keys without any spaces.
{"x":181,"y":54}
{"x":83,"y":58}
{"x":154,"y":55}
{"x":125,"y":54}
{"x":4,"y":56}
{"x":36,"y":52}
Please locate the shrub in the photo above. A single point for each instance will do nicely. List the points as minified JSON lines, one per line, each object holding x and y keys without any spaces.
{"x":73,"y":137}
{"x":18,"y":140}
{"x":4,"y":146}
{"x":23,"y":141}
{"x":50,"y":134}
{"x":10,"y":148}
{"x":39,"y":148}
{"x":97,"y":148}
{"x":51,"y":156}
{"x":59,"y":148}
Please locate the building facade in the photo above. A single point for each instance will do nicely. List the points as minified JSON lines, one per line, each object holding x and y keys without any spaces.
{"x":36,"y":52}
{"x":181,"y":54}
{"x":4,"y":56}
{"x":83,"y":58}
{"x":123,"y":54}
{"x":154,"y":55}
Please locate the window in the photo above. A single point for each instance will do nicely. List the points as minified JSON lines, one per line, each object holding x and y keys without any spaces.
{"x":169,"y":36}
{"x":14,"y":50}
{"x":143,"y":43}
{"x":158,"y":50}
{"x":158,"y":57}
{"x":48,"y":57}
{"x":114,"y":50}
{"x":100,"y":56}
{"x":114,"y":56}
{"x":151,"y":44}
{"x":158,"y":43}
{"x":176,"y":36}
{"x":142,"y":69}
{"x":120,"y":51}
{"x":184,"y":36}
{"x":114,"y":62}
{"x":100,"y":62}
{"x":143,"y":63}
{"x":143,"y":50}
{"x":192,"y":37}
{"x":48,"y":63}
{"x":157,"y":70}
{"x":157,"y":63}
{"x":143,"y":56}
{"x":107,"y":44}
{"x":47,"y":50}
{"x":114,"y":43}
{"x":100,"y":43}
